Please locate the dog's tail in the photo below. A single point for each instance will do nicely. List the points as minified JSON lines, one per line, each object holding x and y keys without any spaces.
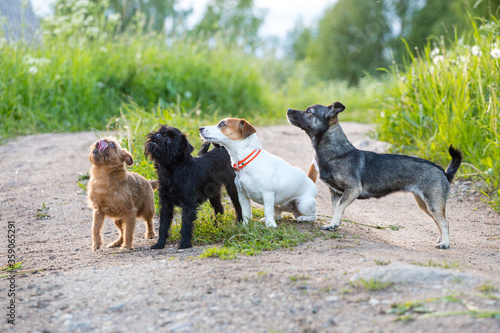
{"x":204,"y":148}
{"x":456,"y":160}
{"x":313,"y":171}
{"x":154,"y":184}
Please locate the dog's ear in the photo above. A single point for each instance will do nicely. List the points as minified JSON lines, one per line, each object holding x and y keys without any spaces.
{"x":334,"y":109}
{"x":246,"y":128}
{"x":189,"y":146}
{"x":127,"y":158}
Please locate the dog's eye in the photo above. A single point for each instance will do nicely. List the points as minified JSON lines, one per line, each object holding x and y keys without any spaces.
{"x":112,"y":144}
{"x":308,"y":111}
{"x":169,"y":139}
{"x":222,"y":124}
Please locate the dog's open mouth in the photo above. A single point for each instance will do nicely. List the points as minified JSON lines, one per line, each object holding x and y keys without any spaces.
{"x":102,"y":146}
{"x":208,"y":138}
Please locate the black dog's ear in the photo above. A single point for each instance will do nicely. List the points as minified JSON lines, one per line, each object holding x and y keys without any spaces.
{"x":246,"y":129}
{"x":334,"y":109}
{"x":189,"y":146}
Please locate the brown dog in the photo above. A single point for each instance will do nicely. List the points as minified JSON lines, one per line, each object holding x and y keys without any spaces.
{"x":117,"y":193}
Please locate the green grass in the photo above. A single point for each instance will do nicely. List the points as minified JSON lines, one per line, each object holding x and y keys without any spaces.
{"x":450,"y":97}
{"x":69,"y":86}
{"x":417,"y":309}
{"x":232,"y":238}
{"x":373,"y":284}
{"x":445,"y":264}
{"x":73,"y":84}
{"x":487,"y":288}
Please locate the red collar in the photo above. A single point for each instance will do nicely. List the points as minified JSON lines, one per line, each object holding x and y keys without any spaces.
{"x":238,"y":166}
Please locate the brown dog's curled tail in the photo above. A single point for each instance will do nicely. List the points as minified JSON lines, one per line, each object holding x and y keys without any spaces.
{"x":154,"y":184}
{"x":456,"y":160}
{"x":313,"y":171}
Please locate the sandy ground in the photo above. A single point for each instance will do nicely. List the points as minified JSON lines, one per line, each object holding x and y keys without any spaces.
{"x":304,"y":289}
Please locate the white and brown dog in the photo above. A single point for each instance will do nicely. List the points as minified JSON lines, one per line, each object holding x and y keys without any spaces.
{"x":262,"y":177}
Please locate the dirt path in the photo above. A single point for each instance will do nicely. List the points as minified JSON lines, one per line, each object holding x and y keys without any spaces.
{"x":305,"y":289}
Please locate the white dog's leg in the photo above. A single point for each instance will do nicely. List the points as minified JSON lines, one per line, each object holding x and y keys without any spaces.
{"x":246,"y":207}
{"x":347,"y":198}
{"x":306,"y":208}
{"x":269,"y":209}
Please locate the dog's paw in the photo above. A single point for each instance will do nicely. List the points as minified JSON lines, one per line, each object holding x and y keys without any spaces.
{"x":271,"y":224}
{"x":330,"y":227}
{"x":116,"y":243}
{"x":185,"y":246}
{"x":150,"y":235}
{"x":157,"y":246}
{"x":127,"y":248}
{"x":442,"y":246}
{"x":305,"y":218}
{"x":96,"y":245}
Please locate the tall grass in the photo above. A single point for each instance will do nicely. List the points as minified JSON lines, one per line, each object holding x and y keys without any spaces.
{"x":67,"y":83}
{"x":449,"y":96}
{"x":64,"y":86}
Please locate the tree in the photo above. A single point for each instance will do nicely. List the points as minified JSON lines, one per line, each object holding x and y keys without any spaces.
{"x":156,"y":11}
{"x":351,"y":40}
{"x":298,"y":40}
{"x":233,"y":21}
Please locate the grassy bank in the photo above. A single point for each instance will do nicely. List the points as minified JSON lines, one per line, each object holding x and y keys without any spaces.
{"x":449,"y":96}
{"x":58,"y":86}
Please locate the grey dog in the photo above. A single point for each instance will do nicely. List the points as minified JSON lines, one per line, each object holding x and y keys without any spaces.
{"x":356,"y":174}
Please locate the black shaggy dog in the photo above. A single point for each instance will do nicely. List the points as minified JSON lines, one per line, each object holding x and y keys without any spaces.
{"x":188,"y":181}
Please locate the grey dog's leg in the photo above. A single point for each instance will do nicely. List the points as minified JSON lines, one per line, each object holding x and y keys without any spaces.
{"x":335,"y":198}
{"x":423,"y":206}
{"x":347,"y":198}
{"x":436,"y":207}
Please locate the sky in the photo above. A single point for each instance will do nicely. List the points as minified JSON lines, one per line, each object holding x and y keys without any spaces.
{"x":281,"y":16}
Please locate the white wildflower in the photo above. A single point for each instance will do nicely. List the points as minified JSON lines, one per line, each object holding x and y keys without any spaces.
{"x":198,"y":112}
{"x":29,"y":60}
{"x":495,"y":53}
{"x":100,"y":85}
{"x":82,"y":3}
{"x":434,"y":52}
{"x":115,"y":17}
{"x":103,"y":49}
{"x":187,"y":94}
{"x":476,"y":51}
{"x":33,"y":70}
{"x":138,"y":56}
{"x":437,"y":59}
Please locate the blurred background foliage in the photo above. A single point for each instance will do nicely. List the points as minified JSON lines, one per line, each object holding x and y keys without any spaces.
{"x":425,"y":71}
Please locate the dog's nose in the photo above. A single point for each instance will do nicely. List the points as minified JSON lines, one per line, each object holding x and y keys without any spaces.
{"x":202,"y":128}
